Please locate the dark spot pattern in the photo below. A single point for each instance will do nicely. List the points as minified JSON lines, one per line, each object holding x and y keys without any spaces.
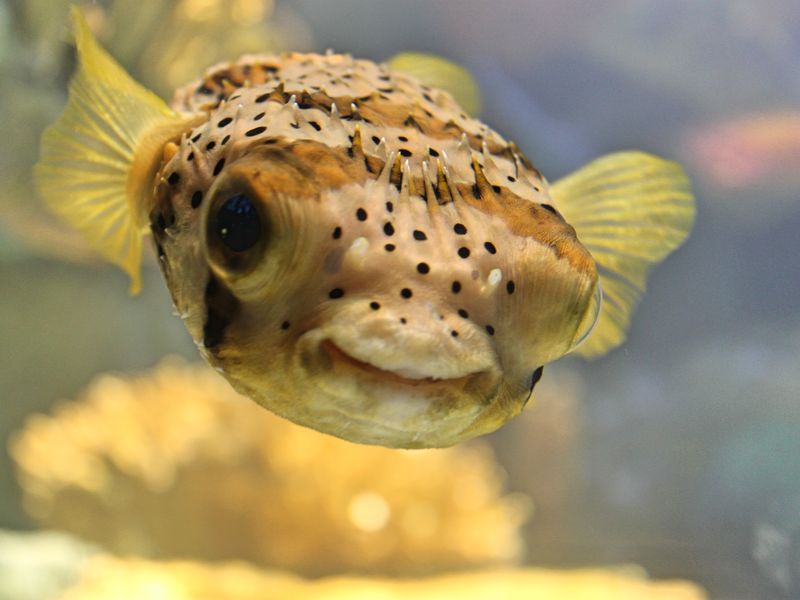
{"x":406,"y":293}
{"x":337,"y":233}
{"x":259,"y":116}
{"x":336,"y":293}
{"x":510,"y":287}
{"x":221,"y":308}
{"x":255,"y":131}
{"x":219,"y":166}
{"x":463,"y":252}
{"x":389,"y":207}
{"x":423,"y":268}
{"x":463,"y":314}
{"x":211,"y":145}
{"x":389,"y":247}
{"x":460,"y":229}
{"x":490,"y":330}
{"x":490,"y":248}
{"x":405,"y":152}
{"x":454,"y":333}
{"x":388,"y":228}
{"x":225,"y":122}
{"x":262,"y":98}
{"x":455,"y":287}
{"x":225,"y":140}
{"x":197,"y":198}
{"x":420,"y":235}
{"x":173,"y":179}
{"x":374,"y":305}
{"x":361,"y":214}
{"x":285,"y":325}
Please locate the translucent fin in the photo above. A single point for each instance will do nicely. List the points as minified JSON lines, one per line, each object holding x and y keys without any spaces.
{"x":439,"y":72}
{"x":98,"y":160}
{"x":630,"y":210}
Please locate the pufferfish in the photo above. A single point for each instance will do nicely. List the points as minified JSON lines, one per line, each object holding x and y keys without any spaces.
{"x":349,"y":247}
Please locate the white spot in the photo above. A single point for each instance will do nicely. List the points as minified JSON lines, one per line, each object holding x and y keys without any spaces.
{"x":359,"y":246}
{"x":369,"y":511}
{"x":495,"y":277}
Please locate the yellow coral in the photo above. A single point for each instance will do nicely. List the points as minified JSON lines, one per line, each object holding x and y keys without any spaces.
{"x":122,"y":580}
{"x":176,"y":464}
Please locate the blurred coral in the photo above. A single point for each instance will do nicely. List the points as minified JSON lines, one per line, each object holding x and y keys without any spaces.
{"x":111,"y":578}
{"x":176,"y":464}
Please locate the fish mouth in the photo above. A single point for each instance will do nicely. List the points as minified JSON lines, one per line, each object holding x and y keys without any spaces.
{"x":406,"y":377}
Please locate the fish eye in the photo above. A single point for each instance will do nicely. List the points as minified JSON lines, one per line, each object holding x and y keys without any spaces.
{"x":237,"y":232}
{"x":238,"y":223}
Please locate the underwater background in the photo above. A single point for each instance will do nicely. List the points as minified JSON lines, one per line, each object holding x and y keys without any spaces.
{"x":678,"y":452}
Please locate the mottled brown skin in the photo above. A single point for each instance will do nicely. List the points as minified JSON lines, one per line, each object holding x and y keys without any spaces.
{"x":429,"y":342}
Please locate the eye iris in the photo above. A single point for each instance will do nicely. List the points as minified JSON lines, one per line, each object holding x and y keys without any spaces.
{"x":238,"y":223}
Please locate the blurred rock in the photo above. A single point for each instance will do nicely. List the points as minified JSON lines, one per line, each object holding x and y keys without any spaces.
{"x":39,"y":566}
{"x":121,"y":580}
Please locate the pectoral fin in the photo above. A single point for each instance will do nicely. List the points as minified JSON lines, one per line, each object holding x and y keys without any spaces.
{"x":98,"y":160}
{"x":630,"y":210}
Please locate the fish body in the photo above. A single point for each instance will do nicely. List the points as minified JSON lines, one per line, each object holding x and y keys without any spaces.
{"x":355,"y":252}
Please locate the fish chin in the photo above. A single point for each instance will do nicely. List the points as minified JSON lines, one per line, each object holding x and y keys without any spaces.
{"x":375,"y":402}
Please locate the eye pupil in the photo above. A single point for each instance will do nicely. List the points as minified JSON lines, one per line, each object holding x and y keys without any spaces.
{"x":238,"y":223}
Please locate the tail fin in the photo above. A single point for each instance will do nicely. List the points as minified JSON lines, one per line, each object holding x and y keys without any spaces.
{"x":630,"y":210}
{"x":99,"y":158}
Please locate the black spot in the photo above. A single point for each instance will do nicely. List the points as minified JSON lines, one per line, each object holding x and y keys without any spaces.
{"x":476,"y":192}
{"x":374,"y":305}
{"x":255,"y":131}
{"x":197,"y":198}
{"x":403,"y":320}
{"x":459,"y":229}
{"x":389,"y":247}
{"x":262,"y":98}
{"x":496,"y":189}
{"x":510,"y":287}
{"x":402,"y":138}
{"x":295,"y":126}
{"x":196,"y":137}
{"x":173,"y":178}
{"x":210,"y":145}
{"x":219,"y":166}
{"x":361,"y":214}
{"x":259,"y":116}
{"x":549,"y":208}
{"x":405,"y":152}
{"x":511,"y":178}
{"x":337,"y":233}
{"x":221,"y":308}
{"x":285,"y":325}
{"x":456,"y":287}
{"x":335,"y":293}
{"x":388,"y":228}
{"x":490,"y":248}
{"x":454,"y":333}
{"x":535,"y":377}
{"x":427,"y":97}
{"x":432,"y":152}
{"x":389,"y":207}
{"x":463,"y":314}
{"x":490,"y":330}
{"x":420,"y":235}
{"x":203,"y":89}
{"x":225,"y":122}
{"x":406,"y":293}
{"x":191,"y":156}
{"x":315,"y":125}
{"x":423,"y":268}
{"x":160,"y":222}
{"x":376,"y":139}
{"x":225,"y":140}
{"x":304,"y":105}
{"x":463,"y":252}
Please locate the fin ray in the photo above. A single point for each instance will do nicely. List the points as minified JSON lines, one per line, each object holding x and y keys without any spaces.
{"x":630,"y":210}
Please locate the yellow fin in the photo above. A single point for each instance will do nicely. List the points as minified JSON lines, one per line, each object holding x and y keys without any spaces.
{"x":630,"y":210}
{"x":99,"y":158}
{"x":439,"y":72}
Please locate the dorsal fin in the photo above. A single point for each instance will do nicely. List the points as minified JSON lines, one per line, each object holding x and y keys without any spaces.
{"x":99,"y":158}
{"x":439,"y":72}
{"x":630,"y":210}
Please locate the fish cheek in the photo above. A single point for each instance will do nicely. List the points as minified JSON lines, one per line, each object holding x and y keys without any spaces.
{"x":222,"y":307}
